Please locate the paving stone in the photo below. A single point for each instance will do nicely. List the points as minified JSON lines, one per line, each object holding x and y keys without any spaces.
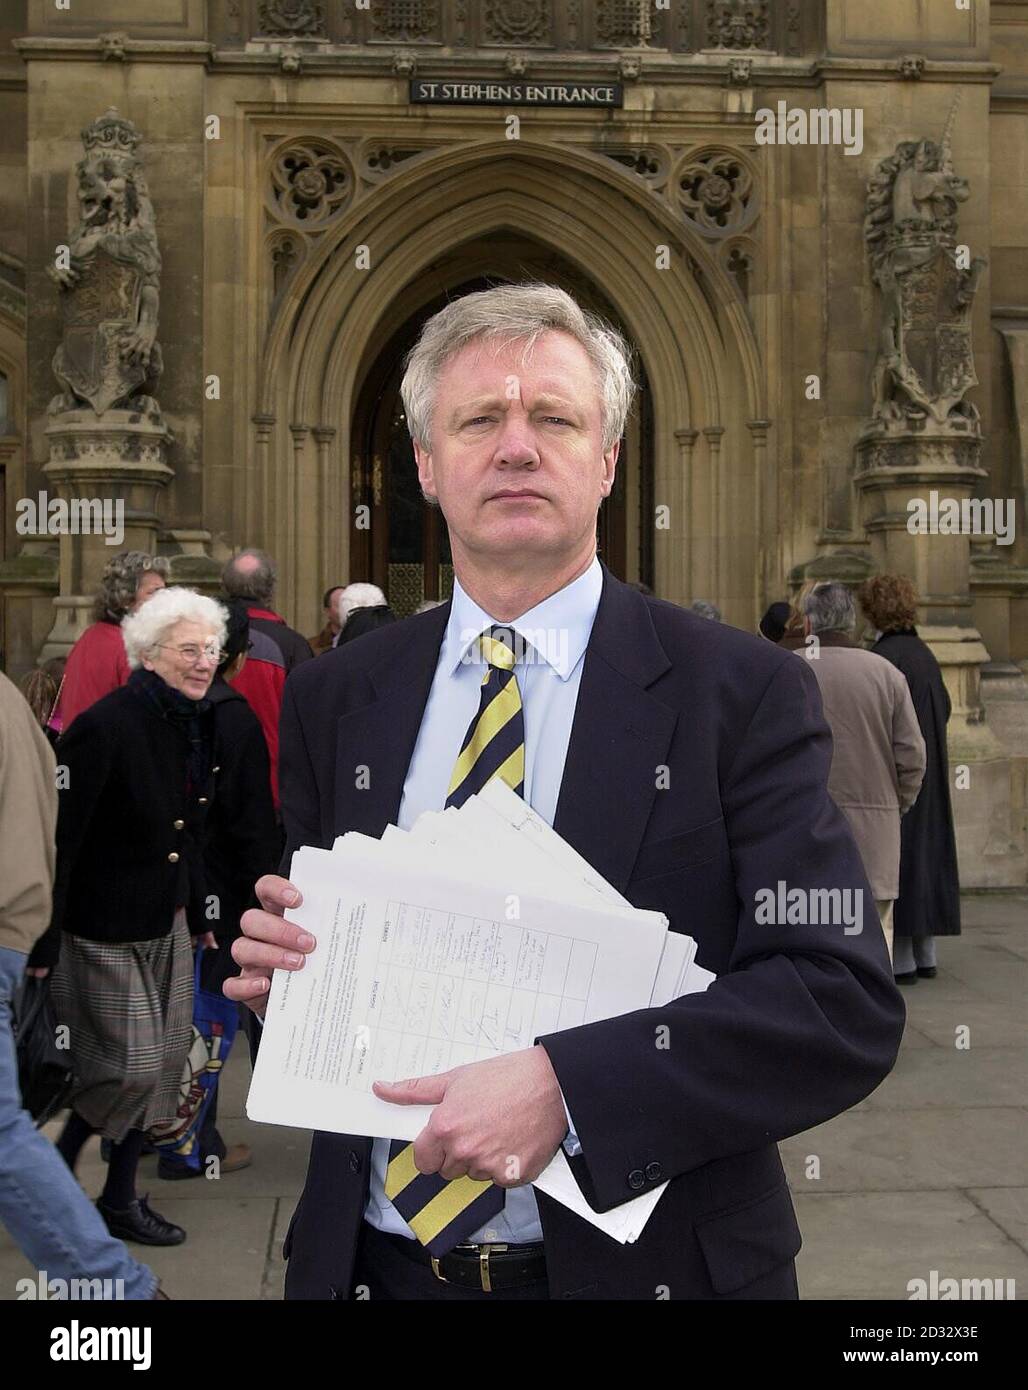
{"x":1008,"y":1207}
{"x":876,"y":1150}
{"x":870,"y":1245}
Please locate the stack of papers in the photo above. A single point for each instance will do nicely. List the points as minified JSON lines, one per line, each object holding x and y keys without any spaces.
{"x":470,"y":935}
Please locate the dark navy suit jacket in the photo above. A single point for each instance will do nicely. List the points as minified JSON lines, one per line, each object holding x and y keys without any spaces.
{"x":696,"y":775}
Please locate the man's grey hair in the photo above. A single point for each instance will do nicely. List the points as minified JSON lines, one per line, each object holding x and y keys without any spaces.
{"x":255,"y":581}
{"x":516,"y":314}
{"x":830,"y":608}
{"x":120,"y":580}
{"x":144,"y":630}
{"x":704,"y":609}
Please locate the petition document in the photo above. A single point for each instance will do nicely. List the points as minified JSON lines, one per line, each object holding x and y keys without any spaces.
{"x":414,"y":974}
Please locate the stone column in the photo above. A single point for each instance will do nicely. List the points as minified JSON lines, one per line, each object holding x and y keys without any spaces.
{"x":673,"y":560}
{"x":765,"y":513}
{"x":716,"y":509}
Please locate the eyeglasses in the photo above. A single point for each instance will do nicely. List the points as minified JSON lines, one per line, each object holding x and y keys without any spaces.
{"x":191,"y":653}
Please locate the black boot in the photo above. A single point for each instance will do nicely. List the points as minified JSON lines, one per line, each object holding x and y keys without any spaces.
{"x":140,"y":1223}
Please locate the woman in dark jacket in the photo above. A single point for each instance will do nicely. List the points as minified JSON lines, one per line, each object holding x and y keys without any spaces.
{"x":929,"y":888}
{"x":130,"y":890}
{"x":242,"y":843}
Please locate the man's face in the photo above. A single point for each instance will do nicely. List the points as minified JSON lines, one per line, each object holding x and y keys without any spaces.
{"x":516,"y":459}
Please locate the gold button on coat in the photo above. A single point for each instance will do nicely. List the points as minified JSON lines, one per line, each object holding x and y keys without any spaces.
{"x":178,"y":824}
{"x":172,"y":858}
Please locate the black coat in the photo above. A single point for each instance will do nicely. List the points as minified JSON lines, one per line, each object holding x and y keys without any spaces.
{"x":242,"y":840}
{"x":129,"y":836}
{"x":929,"y":888}
{"x":803,"y":1021}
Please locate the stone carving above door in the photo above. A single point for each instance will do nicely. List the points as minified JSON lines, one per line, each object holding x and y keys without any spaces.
{"x":570,"y":27}
{"x":715,"y":191}
{"x":311,"y":183}
{"x":517,"y":22}
{"x":738,"y":24}
{"x":293,"y":17}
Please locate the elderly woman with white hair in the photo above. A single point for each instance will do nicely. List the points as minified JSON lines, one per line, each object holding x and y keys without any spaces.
{"x":129,"y":892}
{"x":346,"y":601}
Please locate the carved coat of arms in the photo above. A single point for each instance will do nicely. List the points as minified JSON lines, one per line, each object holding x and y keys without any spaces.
{"x":925,"y":361}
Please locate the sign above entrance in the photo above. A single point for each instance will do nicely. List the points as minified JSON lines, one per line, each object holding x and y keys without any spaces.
{"x":517,"y":93}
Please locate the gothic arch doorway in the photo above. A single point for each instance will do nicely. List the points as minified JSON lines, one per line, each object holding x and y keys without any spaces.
{"x":400,"y":542}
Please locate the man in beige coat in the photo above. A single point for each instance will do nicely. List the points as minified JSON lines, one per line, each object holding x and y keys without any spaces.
{"x":878,"y":762}
{"x":41,"y":1204}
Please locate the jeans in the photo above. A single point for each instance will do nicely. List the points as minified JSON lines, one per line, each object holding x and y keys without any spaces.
{"x":41,"y":1204}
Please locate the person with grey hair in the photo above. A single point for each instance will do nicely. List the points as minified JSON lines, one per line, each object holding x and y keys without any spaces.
{"x":96,"y":664}
{"x":516,"y":400}
{"x":879,"y":757}
{"x":704,"y":609}
{"x":275,"y":648}
{"x":355,"y":596}
{"x":130,"y":891}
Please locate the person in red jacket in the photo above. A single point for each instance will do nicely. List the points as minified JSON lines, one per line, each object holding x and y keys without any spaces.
{"x":274,"y":647}
{"x":97,"y":663}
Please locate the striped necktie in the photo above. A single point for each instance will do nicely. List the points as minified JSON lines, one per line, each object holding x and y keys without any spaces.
{"x":440,"y":1213}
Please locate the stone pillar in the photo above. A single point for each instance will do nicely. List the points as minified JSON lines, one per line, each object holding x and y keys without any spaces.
{"x":672,"y":560}
{"x":765,"y":518}
{"x":331,"y":486}
{"x":117,"y":460}
{"x":713,"y":590}
{"x":918,"y":465}
{"x":260,"y":505}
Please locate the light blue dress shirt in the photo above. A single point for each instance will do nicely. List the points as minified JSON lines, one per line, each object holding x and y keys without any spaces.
{"x":558,"y":629}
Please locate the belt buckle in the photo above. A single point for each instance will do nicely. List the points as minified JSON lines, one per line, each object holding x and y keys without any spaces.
{"x":484,"y":1251}
{"x":437,"y":1271}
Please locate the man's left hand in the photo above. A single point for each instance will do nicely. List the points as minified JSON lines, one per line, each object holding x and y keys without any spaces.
{"x":501,"y":1120}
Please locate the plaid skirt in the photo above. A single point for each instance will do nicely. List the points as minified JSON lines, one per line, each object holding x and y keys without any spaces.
{"x":129,"y":1010}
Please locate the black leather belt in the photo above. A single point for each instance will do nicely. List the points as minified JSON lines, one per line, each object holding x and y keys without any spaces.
{"x":487,"y":1267}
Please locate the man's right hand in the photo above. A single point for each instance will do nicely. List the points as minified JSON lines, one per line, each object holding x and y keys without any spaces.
{"x":268,"y":943}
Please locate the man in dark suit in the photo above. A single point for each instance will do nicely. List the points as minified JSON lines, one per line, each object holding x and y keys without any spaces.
{"x":686,"y":761}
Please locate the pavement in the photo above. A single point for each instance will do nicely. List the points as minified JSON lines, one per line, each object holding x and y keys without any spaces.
{"x":928,"y":1173}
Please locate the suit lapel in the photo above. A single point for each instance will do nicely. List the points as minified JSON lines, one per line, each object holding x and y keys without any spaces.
{"x":620,"y":736}
{"x":381,"y":734}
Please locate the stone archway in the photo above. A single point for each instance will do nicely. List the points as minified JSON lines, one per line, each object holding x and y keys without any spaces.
{"x":688,"y":320}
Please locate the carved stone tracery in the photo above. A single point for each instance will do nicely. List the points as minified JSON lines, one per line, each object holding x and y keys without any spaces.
{"x":311,"y":183}
{"x":715,"y":192}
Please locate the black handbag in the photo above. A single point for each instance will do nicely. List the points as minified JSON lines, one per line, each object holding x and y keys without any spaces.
{"x":45,"y":1073}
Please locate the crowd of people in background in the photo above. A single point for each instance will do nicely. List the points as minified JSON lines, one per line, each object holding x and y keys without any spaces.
{"x":164,"y":718}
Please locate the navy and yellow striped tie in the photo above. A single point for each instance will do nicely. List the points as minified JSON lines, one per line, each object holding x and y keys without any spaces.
{"x":440,"y":1213}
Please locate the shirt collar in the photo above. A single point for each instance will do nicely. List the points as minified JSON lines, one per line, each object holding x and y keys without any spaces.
{"x":557,"y":629}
